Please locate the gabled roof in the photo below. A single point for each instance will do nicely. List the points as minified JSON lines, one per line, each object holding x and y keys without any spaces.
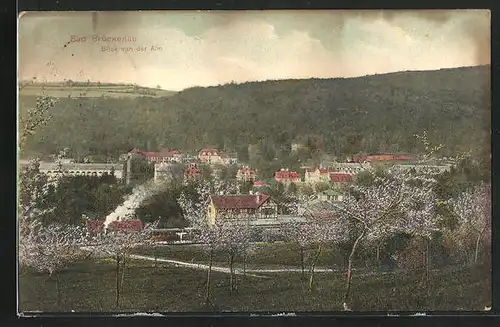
{"x":240,"y":201}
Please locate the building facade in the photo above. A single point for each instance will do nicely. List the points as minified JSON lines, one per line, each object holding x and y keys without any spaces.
{"x":340,"y":178}
{"x":381,"y":157}
{"x":317,"y":176}
{"x":210,"y":156}
{"x":284,"y":176}
{"x":241,"y":207}
{"x":349,"y":167}
{"x":164,"y":156}
{"x":53,"y":169}
{"x":329,"y":195}
{"x":246,"y":174}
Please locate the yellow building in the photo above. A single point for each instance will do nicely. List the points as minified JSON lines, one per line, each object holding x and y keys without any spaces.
{"x":241,"y":207}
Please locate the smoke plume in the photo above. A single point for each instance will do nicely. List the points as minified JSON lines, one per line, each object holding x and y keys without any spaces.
{"x":127,"y":209}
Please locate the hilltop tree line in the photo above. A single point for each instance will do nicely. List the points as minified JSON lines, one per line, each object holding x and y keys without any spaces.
{"x":340,"y":116}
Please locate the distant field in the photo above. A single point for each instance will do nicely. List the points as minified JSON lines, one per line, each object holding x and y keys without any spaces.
{"x":92,"y":91}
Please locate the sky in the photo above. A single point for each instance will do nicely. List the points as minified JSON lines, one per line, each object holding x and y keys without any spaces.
{"x":181,"y":49}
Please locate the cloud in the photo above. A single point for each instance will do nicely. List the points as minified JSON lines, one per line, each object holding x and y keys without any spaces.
{"x":216,"y":48}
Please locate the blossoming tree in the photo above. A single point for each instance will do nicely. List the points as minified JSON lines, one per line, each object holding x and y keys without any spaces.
{"x":50,"y":248}
{"x":473,"y":211}
{"x":375,"y":209}
{"x":117,"y":244}
{"x":194,"y":209}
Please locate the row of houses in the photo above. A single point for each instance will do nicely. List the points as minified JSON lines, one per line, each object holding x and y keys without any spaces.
{"x":313,"y":176}
{"x":259,"y":210}
{"x":205,"y":156}
{"x":68,"y":168}
{"x":381,"y":157}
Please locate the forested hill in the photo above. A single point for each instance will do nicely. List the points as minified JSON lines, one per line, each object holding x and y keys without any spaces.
{"x":377,"y":113}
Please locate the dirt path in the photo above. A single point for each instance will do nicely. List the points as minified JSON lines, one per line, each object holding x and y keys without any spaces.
{"x":237,"y":271}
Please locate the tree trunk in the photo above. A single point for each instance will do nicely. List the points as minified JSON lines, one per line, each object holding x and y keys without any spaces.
{"x":378,"y":255}
{"x":123,"y":274}
{"x":313,"y":265}
{"x":423,"y":268}
{"x":117,"y":280}
{"x":349,"y":266}
{"x":427,"y":262}
{"x":244,"y":264}
{"x":477,"y":247}
{"x":154,"y":253}
{"x":58,"y":291}
{"x":209,"y":273}
{"x":231,"y":270}
{"x":302,"y":262}
{"x":99,"y":298}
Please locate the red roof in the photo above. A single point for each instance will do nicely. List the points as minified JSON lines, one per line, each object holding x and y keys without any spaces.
{"x":340,"y":177}
{"x":95,"y":225}
{"x":242,"y":201}
{"x":129,"y":225}
{"x":258,"y":183}
{"x":283,"y":174}
{"x":403,"y":158}
{"x":163,"y":154}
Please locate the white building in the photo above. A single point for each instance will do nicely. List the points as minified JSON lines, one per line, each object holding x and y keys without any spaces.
{"x":52,"y":169}
{"x":349,"y":167}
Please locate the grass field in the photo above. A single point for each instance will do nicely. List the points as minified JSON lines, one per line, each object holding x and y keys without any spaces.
{"x":92,"y":91}
{"x":90,"y":286}
{"x":263,"y":255}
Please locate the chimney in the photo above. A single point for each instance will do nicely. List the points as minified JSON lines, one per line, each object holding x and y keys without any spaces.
{"x":257,"y":198}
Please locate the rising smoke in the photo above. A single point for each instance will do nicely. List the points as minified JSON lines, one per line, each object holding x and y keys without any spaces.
{"x":127,"y":209}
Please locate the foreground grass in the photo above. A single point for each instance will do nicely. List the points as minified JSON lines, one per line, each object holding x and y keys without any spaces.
{"x":90,"y":286}
{"x":263,"y":255}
